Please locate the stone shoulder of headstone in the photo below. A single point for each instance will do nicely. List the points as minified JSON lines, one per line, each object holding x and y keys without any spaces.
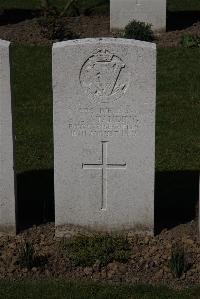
{"x":106,"y":40}
{"x":7,"y":177}
{"x":4,"y":43}
{"x":104,"y":93}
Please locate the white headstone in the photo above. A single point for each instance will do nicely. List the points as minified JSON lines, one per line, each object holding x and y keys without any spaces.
{"x":148,"y":11}
{"x":104,"y":133}
{"x":7,"y":190}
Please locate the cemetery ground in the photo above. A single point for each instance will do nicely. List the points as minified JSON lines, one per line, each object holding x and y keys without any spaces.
{"x":19,"y":21}
{"x":35,"y":253}
{"x":61,"y":289}
{"x":177,"y":151}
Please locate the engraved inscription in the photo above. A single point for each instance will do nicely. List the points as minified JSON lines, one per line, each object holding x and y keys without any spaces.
{"x":104,"y":122}
{"x":104,"y":77}
{"x":104,"y":166}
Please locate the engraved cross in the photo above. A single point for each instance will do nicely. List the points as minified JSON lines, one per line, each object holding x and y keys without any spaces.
{"x":104,"y":166}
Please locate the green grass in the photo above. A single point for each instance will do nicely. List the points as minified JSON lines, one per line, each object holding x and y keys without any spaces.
{"x":183,"y":5}
{"x":31,"y":71}
{"x":36,"y":4}
{"x":178,"y":108}
{"x":69,"y":290}
{"x":173,"y":5}
{"x":86,"y":250}
{"x":19,"y":4}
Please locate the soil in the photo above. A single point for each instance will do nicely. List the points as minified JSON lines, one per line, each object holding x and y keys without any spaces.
{"x":149,"y":262}
{"x":173,"y":38}
{"x":29,"y":31}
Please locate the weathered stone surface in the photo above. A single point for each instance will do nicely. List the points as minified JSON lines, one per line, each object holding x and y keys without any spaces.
{"x":148,"y":11}
{"x":104,"y":133}
{"x":7,"y":192}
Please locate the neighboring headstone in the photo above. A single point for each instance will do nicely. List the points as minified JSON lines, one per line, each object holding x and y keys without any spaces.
{"x":7,"y":192}
{"x":104,"y":134}
{"x":148,"y":11}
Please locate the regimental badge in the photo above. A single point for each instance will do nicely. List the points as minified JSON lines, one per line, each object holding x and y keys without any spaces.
{"x":104,"y":77}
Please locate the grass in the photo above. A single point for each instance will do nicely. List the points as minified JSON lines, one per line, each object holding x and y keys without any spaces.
{"x":178,"y":108}
{"x":173,"y":5}
{"x":178,"y":263}
{"x":183,"y":5}
{"x":102,"y":5}
{"x":77,"y":290}
{"x":31,"y":71}
{"x":86,"y":250}
{"x":19,"y":4}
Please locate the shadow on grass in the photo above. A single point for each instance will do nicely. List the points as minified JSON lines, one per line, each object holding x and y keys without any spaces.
{"x":35,"y":198}
{"x":13,"y":16}
{"x":181,"y":19}
{"x":176,"y":198}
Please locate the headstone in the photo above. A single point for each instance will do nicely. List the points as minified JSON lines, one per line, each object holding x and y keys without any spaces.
{"x":104,"y":134}
{"x":7,"y":192}
{"x":148,"y":11}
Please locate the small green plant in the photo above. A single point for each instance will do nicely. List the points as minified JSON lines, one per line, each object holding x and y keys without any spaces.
{"x":46,"y":6}
{"x":52,"y":27}
{"x":178,"y":264}
{"x":52,"y":23}
{"x":85,"y":250}
{"x":28,"y":257}
{"x":190,"y":41}
{"x":139,"y":30}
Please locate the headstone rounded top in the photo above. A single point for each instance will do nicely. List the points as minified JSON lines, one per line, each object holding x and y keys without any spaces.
{"x":105,"y":40}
